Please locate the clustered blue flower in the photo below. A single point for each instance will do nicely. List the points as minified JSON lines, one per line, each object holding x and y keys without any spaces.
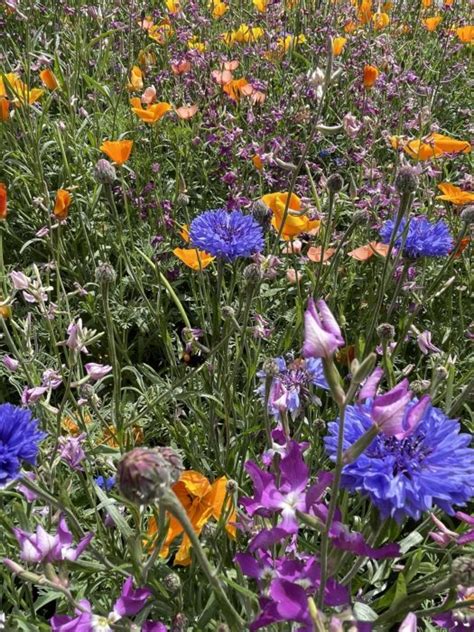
{"x":406,"y":477}
{"x":226,"y":235}
{"x":423,"y":238}
{"x":19,"y":438}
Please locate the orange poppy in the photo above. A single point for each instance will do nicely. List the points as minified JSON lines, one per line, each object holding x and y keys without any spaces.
{"x":110,"y":436}
{"x":62,"y":204}
{"x":4,"y":109}
{"x":350,"y":27}
{"x":3,"y":201}
{"x":431,"y":24}
{"x":193,"y":258}
{"x":48,"y":78}
{"x":294,"y":224}
{"x":186,"y":112}
{"x":465,"y":34}
{"x":454,"y":194}
{"x":184,"y":233}
{"x":364,"y":11}
{"x":152,"y":113}
{"x":160,"y":32}
{"x":432,"y":146}
{"x":338,"y":44}
{"x":463,"y":244}
{"x":117,"y":150}
{"x":72,"y":426}
{"x":235,"y":88}
{"x":5,"y":311}
{"x":314,"y":253}
{"x":136,"y":79}
{"x":369,"y":250}
{"x":427,"y":3}
{"x":202,"y":502}
{"x":257,"y":162}
{"x":370,"y":75}
{"x":380,"y":20}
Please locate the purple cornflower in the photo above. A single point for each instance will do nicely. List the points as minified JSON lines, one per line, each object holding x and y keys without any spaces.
{"x":19,"y":439}
{"x":433,"y":465}
{"x":322,"y":335}
{"x":226,"y":235}
{"x":423,"y":238}
{"x":71,"y":451}
{"x":291,"y":383}
{"x":42,"y":547}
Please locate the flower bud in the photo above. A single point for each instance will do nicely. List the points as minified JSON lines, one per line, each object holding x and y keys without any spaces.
{"x":105,"y":274}
{"x":406,"y":180}
{"x":262,"y":214}
{"x":440,"y":373}
{"x":335,"y":183}
{"x":420,"y":386}
{"x":172,"y":582}
{"x":386,"y":332}
{"x":467,"y":214}
{"x":231,"y":486}
{"x":104,"y":172}
{"x":271,"y":368}
{"x":253,"y":273}
{"x":143,"y":473}
{"x":462,"y":571}
{"x":228,"y":311}
{"x":179,"y":623}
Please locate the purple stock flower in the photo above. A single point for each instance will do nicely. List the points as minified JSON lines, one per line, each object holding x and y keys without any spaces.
{"x":322,"y":335}
{"x":10,"y":363}
{"x":19,"y":439}
{"x":76,"y":335}
{"x":71,"y":451}
{"x":391,"y":413}
{"x":458,"y":619}
{"x":409,"y":623}
{"x":445,"y":536}
{"x":83,"y":622}
{"x":291,"y":385}
{"x":131,"y":600}
{"x":42,"y":547}
{"x":433,"y":465}
{"x":425,"y":344}
{"x":32,"y":395}
{"x":97,"y":371}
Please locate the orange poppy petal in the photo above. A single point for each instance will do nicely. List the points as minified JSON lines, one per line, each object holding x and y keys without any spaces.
{"x":314,"y":253}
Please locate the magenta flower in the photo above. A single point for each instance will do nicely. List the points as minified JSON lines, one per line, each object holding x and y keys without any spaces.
{"x":390,"y":412}
{"x":82,"y":623}
{"x":32,"y":395}
{"x":10,"y":363}
{"x":97,"y":371}
{"x":445,"y":536}
{"x":131,"y":600}
{"x":71,"y":451}
{"x":42,"y":547}
{"x":322,"y":336}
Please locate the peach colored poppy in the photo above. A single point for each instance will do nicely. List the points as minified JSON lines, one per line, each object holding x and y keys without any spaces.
{"x":193,"y":258}
{"x":202,"y":502}
{"x":454,"y":194}
{"x":258,"y":97}
{"x":117,"y":150}
{"x":314,"y":253}
{"x":3,"y":201}
{"x":152,"y":113}
{"x":149,"y":96}
{"x":181,"y":67}
{"x":294,"y":224}
{"x":221,"y":77}
{"x":62,"y":204}
{"x":48,"y":78}
{"x":186,"y":112}
{"x":233,"y":64}
{"x":369,"y":250}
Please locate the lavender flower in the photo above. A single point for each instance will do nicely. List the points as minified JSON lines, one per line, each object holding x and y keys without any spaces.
{"x":226,"y":235}
{"x":423,"y":238}
{"x":322,"y":335}
{"x":71,"y":451}
{"x":97,"y":371}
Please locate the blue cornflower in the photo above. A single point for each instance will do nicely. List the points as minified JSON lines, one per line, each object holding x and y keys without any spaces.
{"x":423,"y":239}
{"x":434,"y":465}
{"x":226,"y":235}
{"x":19,"y":438}
{"x":105,"y":483}
{"x":290,"y":387}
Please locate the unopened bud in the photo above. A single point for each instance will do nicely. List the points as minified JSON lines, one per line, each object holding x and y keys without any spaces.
{"x":104,"y":172}
{"x":231,"y":486}
{"x":271,"y":368}
{"x":172,"y":582}
{"x":335,"y":183}
{"x":467,"y":215}
{"x":287,"y":166}
{"x":386,"y":332}
{"x":462,"y":571}
{"x":406,"y":180}
{"x":262,"y":214}
{"x":105,"y":274}
{"x":441,"y":373}
{"x":253,"y":273}
{"x":179,"y":623}
{"x":420,"y":386}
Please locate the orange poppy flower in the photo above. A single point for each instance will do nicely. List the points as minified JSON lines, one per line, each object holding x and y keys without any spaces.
{"x":62,"y":204}
{"x":3,"y":201}
{"x":380,"y":20}
{"x":136,"y":79}
{"x":338,"y":44}
{"x":72,"y":426}
{"x":435,"y":145}
{"x":364,"y":11}
{"x":431,"y":24}
{"x":152,"y":113}
{"x":314,"y":253}
{"x":463,"y":244}
{"x":4,"y":109}
{"x":257,"y":162}
{"x":110,"y":436}
{"x":48,"y":78}
{"x":370,"y":75}
{"x":193,"y":258}
{"x":369,"y":250}
{"x":202,"y":502}
{"x":427,"y":3}
{"x":160,"y":32}
{"x":184,"y":233}
{"x":235,"y":88}
{"x":465,"y":34}
{"x":294,"y":224}
{"x":186,"y":112}
{"x":350,"y":27}
{"x":454,"y":194}
{"x":117,"y":150}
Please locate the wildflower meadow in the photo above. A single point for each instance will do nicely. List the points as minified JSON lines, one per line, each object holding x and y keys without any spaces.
{"x":236,"y":324}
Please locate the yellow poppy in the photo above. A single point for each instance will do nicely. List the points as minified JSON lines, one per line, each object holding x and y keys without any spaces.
{"x":193,"y":258}
{"x":454,"y":194}
{"x":173,"y":6}
{"x":243,"y":35}
{"x":195,"y":44}
{"x":202,"y":502}
{"x":260,"y":5}
{"x":219,"y":9}
{"x":152,"y":113}
{"x":22,"y":94}
{"x":62,"y":204}
{"x":380,"y":20}
{"x":431,"y":24}
{"x":48,"y":78}
{"x":117,"y":150}
{"x":136,"y":80}
{"x":3,"y":201}
{"x":160,"y":32}
{"x":294,"y":224}
{"x":370,"y":75}
{"x":338,"y":44}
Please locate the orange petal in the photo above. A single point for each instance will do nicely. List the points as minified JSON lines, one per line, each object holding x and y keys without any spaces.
{"x":369,"y":250}
{"x":117,"y":150}
{"x":193,"y":258}
{"x":314,"y":253}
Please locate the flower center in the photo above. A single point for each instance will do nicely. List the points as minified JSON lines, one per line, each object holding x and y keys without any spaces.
{"x":407,"y":454}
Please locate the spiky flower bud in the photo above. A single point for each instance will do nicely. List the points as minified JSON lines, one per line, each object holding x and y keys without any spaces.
{"x":104,"y":172}
{"x":406,"y":180}
{"x":262,"y":214}
{"x":420,"y":386}
{"x":228,"y":311}
{"x":253,"y":273}
{"x":441,"y":373}
{"x":467,"y":214}
{"x":231,"y":486}
{"x":271,"y":367}
{"x":105,"y":274}
{"x":462,"y":571}
{"x":335,"y":183}
{"x":172,"y":582}
{"x":386,"y":332}
{"x":179,"y":623}
{"x":144,"y":473}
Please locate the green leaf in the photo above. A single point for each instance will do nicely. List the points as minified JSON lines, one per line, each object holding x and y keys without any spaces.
{"x":363,"y":612}
{"x":110,"y":507}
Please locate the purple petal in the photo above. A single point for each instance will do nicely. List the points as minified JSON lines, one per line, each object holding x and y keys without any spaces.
{"x":369,"y":388}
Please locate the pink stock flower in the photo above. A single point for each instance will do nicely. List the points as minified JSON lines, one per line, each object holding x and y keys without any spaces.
{"x":391,"y":415}
{"x":322,"y":335}
{"x":32,"y":395}
{"x":97,"y":371}
{"x":10,"y":363}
